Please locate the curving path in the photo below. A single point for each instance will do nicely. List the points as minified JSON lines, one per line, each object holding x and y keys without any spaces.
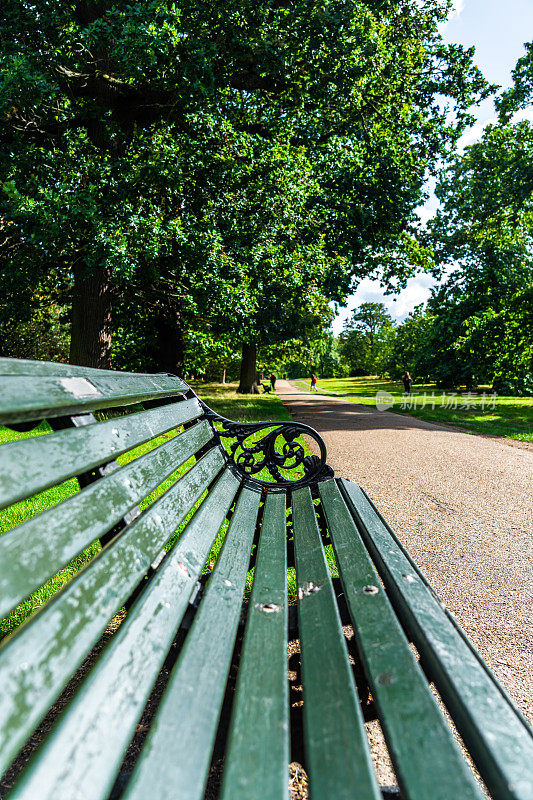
{"x":461,"y":504}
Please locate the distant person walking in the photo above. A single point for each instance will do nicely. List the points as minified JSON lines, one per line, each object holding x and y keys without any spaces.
{"x":313,"y":383}
{"x":273,"y":382}
{"x":407,"y":382}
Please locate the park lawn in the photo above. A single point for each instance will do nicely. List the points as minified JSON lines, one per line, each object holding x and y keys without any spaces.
{"x":222,"y":399}
{"x":510,"y":417}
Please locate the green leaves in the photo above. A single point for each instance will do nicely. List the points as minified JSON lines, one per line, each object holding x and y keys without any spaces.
{"x":485,"y":226}
{"x":364,"y":340}
{"x":521,"y":94}
{"x":250,"y":159}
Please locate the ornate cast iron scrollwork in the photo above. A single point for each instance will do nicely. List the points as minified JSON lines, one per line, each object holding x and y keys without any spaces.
{"x":277,"y":450}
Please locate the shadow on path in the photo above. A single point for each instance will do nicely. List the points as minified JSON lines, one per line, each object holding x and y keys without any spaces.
{"x":334,"y":413}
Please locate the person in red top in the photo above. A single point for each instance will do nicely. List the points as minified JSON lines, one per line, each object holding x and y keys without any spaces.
{"x":313,"y":383}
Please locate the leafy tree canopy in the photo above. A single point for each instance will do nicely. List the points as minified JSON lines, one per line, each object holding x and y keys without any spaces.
{"x":231,"y":163}
{"x":483,"y":233}
{"x":409,"y":345}
{"x":520,"y":94}
{"x":364,"y":338}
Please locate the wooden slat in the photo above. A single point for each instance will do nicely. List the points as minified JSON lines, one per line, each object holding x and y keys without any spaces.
{"x":31,"y":465}
{"x":41,"y":546}
{"x":22,"y":366}
{"x":337,"y":751}
{"x":28,"y":398}
{"x":258,"y":751}
{"x":496,"y":735}
{"x":427,"y":760}
{"x":37,"y":662}
{"x":83,"y":754}
{"x":176,"y":756}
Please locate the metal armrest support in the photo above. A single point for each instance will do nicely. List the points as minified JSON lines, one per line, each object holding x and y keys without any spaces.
{"x":277,"y":450}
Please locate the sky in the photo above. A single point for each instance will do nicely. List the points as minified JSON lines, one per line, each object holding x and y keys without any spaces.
{"x":498,"y":30}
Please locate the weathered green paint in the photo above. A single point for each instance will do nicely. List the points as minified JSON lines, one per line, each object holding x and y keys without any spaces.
{"x":498,"y":738}
{"x":26,"y":398}
{"x":37,"y":549}
{"x":337,"y":751}
{"x":22,"y":366}
{"x":37,"y":662}
{"x":176,"y":756}
{"x":427,"y":760}
{"x":257,"y":756}
{"x":31,"y":465}
{"x":81,"y":757}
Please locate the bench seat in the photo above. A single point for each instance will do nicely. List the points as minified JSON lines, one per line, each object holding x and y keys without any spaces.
{"x":190,"y":525}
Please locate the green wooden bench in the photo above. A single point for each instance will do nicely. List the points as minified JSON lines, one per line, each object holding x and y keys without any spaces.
{"x":221,"y":657}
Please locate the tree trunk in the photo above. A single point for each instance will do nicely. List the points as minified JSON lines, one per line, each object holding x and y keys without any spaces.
{"x":167,"y":353}
{"x":223,"y":376}
{"x":92,"y":301}
{"x":248,"y":380}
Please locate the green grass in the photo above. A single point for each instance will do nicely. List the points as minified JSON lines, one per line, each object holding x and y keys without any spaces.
{"x":510,"y":417}
{"x":221,"y":399}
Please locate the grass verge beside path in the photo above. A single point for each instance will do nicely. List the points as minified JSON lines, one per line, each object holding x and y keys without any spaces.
{"x":223,"y":399}
{"x":480,"y":412}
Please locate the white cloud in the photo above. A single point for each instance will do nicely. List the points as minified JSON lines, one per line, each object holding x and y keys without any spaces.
{"x":458,"y":8}
{"x":474,"y":133}
{"x":425,"y":212}
{"x":456,"y":11}
{"x":524,"y":113}
{"x":399,"y":306}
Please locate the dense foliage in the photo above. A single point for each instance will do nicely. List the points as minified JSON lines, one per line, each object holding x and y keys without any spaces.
{"x":477,"y":327}
{"x":197,"y":174}
{"x":365,"y":338}
{"x":483,"y":329}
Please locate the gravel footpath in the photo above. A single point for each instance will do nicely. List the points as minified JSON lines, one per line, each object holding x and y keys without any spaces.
{"x":462,"y":506}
